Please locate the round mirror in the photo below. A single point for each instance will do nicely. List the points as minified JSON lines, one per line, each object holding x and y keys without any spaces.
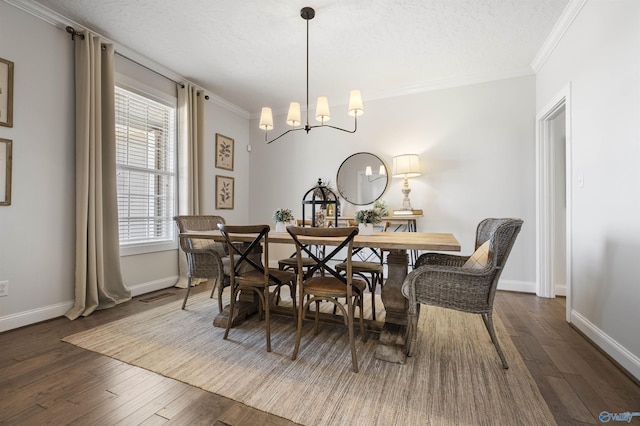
{"x":362,"y":178}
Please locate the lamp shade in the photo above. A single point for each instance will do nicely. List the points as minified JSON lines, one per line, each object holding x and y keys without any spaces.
{"x":322,"y":109}
{"x":356,"y":107}
{"x":368,"y":171}
{"x":383,"y":170}
{"x":406,"y":166}
{"x":266,"y":119}
{"x":293,"y":118}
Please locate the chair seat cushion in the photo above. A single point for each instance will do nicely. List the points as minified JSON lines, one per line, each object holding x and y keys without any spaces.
{"x":358,"y":266}
{"x":257,"y":278}
{"x":480,"y":258}
{"x":292,"y":261}
{"x":331,"y":286}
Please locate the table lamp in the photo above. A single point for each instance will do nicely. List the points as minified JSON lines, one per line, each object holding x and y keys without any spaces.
{"x":406,"y":166}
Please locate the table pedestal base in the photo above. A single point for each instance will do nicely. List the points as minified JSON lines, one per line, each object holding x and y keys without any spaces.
{"x":391,"y":346}
{"x":393,"y":337}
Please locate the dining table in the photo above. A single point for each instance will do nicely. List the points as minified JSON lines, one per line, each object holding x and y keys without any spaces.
{"x":391,"y":345}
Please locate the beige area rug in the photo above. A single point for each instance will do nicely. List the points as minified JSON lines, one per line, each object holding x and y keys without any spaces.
{"x":455,"y":378}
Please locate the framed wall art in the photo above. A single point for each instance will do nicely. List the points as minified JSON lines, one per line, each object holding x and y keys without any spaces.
{"x":6,"y":93}
{"x":224,"y":192}
{"x":5,"y":172}
{"x":224,"y":152}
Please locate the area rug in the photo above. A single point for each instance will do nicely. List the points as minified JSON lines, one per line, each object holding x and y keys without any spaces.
{"x":455,"y":377}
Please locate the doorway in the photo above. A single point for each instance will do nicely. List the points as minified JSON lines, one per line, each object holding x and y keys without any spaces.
{"x":553,"y":215}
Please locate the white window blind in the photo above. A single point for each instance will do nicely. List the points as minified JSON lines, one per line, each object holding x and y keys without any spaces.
{"x":145,"y":161}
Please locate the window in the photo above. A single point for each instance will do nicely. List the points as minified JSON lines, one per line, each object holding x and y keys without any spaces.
{"x":146,"y":169}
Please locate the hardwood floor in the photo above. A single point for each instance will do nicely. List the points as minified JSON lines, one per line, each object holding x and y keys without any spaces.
{"x":46,"y":381}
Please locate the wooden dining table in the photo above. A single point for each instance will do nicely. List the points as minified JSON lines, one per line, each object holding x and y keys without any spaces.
{"x":392,"y":342}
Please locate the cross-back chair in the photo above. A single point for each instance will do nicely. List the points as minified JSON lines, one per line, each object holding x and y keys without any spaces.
{"x":463,"y":283}
{"x":245,"y":243}
{"x":374,"y":270}
{"x":331,"y":285}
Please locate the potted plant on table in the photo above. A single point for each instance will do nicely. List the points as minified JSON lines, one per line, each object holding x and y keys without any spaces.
{"x":366,"y":219}
{"x":282,"y":217}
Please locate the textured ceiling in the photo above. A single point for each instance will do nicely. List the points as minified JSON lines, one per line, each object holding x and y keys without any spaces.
{"x":252,"y":52}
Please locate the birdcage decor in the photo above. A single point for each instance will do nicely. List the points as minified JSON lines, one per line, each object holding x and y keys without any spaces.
{"x":323,"y":203}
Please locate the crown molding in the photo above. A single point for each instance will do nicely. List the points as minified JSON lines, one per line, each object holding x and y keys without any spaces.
{"x":427,"y":87}
{"x":567,"y":17}
{"x":61,"y":22}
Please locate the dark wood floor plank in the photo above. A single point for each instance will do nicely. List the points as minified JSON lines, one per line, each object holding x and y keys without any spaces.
{"x":577,"y":410}
{"x":180,"y":403}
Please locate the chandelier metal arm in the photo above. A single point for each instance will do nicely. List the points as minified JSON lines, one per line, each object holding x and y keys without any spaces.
{"x":307,"y":128}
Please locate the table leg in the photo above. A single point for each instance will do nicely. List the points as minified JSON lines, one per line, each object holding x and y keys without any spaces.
{"x":392,"y":344}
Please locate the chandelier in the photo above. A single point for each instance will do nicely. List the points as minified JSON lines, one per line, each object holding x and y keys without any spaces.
{"x":356,"y":106}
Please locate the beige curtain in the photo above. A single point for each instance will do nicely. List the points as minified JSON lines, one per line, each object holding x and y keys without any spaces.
{"x":98,"y":278}
{"x":190,"y":137}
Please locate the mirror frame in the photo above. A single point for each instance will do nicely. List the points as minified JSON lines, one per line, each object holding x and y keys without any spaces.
{"x":341,"y":190}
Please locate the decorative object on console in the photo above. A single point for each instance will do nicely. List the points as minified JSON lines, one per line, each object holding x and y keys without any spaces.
{"x":356,"y":107}
{"x":406,"y":166}
{"x":381,"y":206}
{"x":282,"y":217}
{"x":319,"y":198}
{"x":366,"y":219}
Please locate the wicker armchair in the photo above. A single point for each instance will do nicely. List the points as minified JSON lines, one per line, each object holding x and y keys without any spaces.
{"x":206,"y":259}
{"x":450,"y":281}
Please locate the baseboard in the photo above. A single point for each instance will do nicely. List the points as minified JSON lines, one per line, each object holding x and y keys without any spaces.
{"x":561,"y":290}
{"x":619,"y":354}
{"x":33,"y":316}
{"x":519,"y":286}
{"x":148,"y":287}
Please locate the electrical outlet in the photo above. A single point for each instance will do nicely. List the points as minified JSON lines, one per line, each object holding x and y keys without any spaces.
{"x":4,"y":288}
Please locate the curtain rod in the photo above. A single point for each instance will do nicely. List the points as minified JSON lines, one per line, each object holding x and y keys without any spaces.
{"x":75,"y":33}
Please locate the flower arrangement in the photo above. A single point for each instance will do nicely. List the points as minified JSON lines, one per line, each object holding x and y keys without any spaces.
{"x":283,"y":215}
{"x":368,"y":216}
{"x":381,"y":206}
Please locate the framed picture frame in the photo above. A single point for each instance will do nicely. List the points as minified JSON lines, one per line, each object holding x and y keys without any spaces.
{"x":6,"y":93}
{"x":5,"y":172}
{"x":224,"y":192}
{"x":224,"y":152}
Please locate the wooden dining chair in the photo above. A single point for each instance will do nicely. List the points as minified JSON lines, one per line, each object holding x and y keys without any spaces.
{"x":331,"y":286}
{"x":249,"y":273}
{"x":371,"y":272}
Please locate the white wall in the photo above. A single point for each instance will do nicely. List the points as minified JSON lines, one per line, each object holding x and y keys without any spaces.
{"x":37,"y":230}
{"x":37,"y":242}
{"x":476,"y":145}
{"x":600,"y":57}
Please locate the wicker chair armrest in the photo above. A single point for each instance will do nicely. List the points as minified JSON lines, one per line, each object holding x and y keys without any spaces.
{"x":452,"y":287}
{"x":441,"y":259}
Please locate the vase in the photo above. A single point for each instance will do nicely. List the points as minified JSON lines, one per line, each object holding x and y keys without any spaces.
{"x":365,"y":228}
{"x":281,"y":227}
